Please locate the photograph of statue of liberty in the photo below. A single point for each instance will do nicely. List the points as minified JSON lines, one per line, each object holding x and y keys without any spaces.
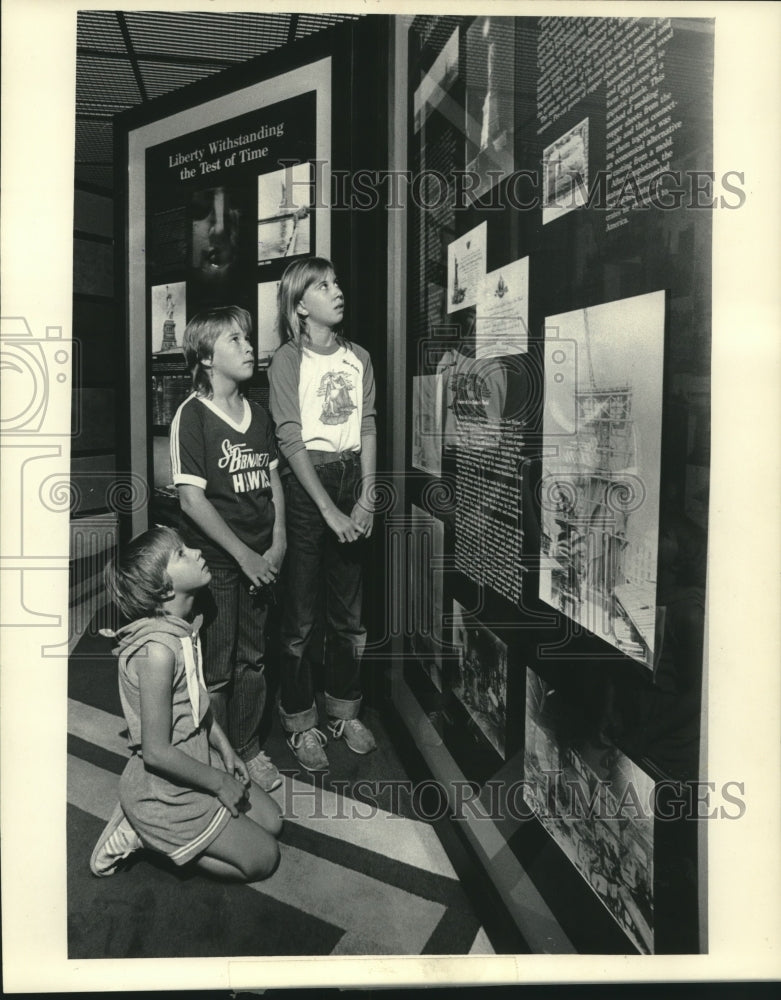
{"x":168,"y":317}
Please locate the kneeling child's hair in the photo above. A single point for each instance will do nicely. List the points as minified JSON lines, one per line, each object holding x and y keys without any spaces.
{"x":137,"y":580}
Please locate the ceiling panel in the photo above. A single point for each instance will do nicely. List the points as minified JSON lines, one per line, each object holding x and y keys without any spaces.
{"x":308,"y":24}
{"x":161,"y":78}
{"x":105,"y":84}
{"x":236,"y":37}
{"x":99,"y":29}
{"x":166,"y":51}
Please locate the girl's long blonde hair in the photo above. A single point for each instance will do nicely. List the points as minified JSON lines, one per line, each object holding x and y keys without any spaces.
{"x":295,"y":281}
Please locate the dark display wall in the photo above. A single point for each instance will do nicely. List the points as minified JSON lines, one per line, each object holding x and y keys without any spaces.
{"x":558,"y":290}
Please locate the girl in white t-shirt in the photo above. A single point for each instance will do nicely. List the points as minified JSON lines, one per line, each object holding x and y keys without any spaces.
{"x":322,"y":402}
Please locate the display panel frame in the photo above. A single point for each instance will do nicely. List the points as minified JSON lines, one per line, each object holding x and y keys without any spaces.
{"x":320,"y":67}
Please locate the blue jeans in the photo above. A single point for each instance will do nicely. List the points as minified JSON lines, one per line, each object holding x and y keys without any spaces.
{"x":323,"y":578}
{"x":233,"y":641}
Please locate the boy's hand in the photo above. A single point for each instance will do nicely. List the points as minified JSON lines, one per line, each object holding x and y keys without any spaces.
{"x":275,"y":555}
{"x":258,"y":569}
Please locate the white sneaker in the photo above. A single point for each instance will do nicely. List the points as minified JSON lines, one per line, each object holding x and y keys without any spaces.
{"x":117,"y":841}
{"x":263,"y":772}
{"x":355,"y":734}
{"x":308,"y":748}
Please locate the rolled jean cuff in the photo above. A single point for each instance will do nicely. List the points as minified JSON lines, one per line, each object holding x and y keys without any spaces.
{"x":299,"y":722}
{"x":342,"y":708}
{"x":250,"y":751}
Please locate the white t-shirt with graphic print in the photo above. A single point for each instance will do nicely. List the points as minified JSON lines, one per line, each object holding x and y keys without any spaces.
{"x":322,"y":399}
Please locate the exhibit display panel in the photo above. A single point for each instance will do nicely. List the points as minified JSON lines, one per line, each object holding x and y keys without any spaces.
{"x":213,"y":220}
{"x":228,"y":181}
{"x":558,"y":288}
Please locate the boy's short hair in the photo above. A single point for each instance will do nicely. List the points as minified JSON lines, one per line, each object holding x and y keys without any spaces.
{"x":200,"y":336}
{"x":137,"y":580}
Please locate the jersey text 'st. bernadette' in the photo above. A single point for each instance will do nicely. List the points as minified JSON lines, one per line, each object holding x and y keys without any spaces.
{"x":230,"y":462}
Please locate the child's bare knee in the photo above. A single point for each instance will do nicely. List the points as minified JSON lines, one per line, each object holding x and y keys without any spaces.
{"x":265,"y":811}
{"x":264,"y":861}
{"x":274,"y":825}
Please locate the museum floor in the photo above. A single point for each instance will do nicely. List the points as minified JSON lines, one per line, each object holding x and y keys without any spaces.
{"x":376,"y":882}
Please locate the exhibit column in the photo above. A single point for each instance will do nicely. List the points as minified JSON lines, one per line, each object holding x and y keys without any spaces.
{"x":397,"y":288}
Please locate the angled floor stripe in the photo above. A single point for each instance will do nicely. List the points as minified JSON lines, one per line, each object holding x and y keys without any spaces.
{"x":91,"y":788}
{"x":415,"y":843}
{"x":481,"y":945}
{"x":95,"y":726}
{"x":353,"y":901}
{"x":358,"y":943}
{"x":387,"y":870}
